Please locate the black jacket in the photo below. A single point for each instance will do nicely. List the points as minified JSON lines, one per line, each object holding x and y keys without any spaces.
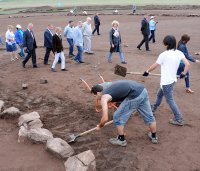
{"x":47,"y":39}
{"x":57,"y":43}
{"x":96,"y":20}
{"x":29,"y":41}
{"x":145,"y":27}
{"x":116,"y":41}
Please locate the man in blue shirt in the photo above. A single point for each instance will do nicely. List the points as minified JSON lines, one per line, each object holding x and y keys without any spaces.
{"x":78,"y":42}
{"x":69,"y":34}
{"x":19,"y":39}
{"x":152,"y":27}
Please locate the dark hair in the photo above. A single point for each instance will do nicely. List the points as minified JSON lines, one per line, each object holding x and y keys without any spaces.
{"x":70,"y":21}
{"x":170,"y":42}
{"x":96,"y":88}
{"x":184,"y":39}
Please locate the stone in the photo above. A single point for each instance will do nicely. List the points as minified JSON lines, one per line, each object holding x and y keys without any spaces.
{"x":82,"y":162}
{"x":11,"y":112}
{"x":37,"y":123}
{"x":40,"y":135}
{"x":23,"y":133}
{"x":1,"y":105}
{"x":43,"y":81}
{"x":24,"y":86}
{"x":60,"y":148}
{"x":28,"y":118}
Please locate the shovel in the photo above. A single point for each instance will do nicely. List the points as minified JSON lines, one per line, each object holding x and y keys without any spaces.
{"x":122,"y":71}
{"x":72,"y":138}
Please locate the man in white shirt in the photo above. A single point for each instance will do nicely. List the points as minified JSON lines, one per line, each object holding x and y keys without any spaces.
{"x":87,"y":32}
{"x":152,"y":28}
{"x":169,"y":62}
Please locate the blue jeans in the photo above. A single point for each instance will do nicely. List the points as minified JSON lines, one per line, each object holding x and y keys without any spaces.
{"x":167,"y":91}
{"x":187,"y":78}
{"x":79,"y":54}
{"x":71,"y":46}
{"x":120,"y":54}
{"x":129,"y":106}
{"x":152,"y":36}
{"x":21,"y":53}
{"x":1,"y":42}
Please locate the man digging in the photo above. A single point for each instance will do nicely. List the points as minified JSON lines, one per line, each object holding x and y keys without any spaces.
{"x":133,"y":97}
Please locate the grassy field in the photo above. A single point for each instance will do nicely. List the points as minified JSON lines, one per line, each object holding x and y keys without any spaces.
{"x":30,"y":3}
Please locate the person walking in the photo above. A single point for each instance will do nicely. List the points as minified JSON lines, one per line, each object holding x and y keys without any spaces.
{"x":145,"y":32}
{"x":29,"y":43}
{"x":69,"y":34}
{"x":133,"y":97}
{"x":78,"y":42}
{"x":152,"y":27}
{"x":97,"y":23}
{"x":48,"y":34}
{"x":58,"y":50}
{"x":19,"y":39}
{"x":87,"y":32}
{"x":183,"y":48}
{"x":11,"y":46}
{"x":115,"y":42}
{"x":169,"y":61}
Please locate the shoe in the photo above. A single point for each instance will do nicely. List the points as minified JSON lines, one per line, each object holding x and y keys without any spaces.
{"x":81,"y":62}
{"x":16,"y":58}
{"x":116,"y":141}
{"x":12,"y":59}
{"x":98,"y":34}
{"x":138,"y":48}
{"x":23,"y":64}
{"x":153,"y":140}
{"x":124,"y":62}
{"x":174,"y":122}
{"x":188,"y":90}
{"x":85,"y":51}
{"x":77,"y":61}
{"x":35,"y":66}
{"x":64,"y":70}
{"x":53,"y":70}
{"x":46,"y":64}
{"x":148,"y":50}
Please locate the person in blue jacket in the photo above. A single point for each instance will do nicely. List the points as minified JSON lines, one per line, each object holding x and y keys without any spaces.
{"x":182,"y":47}
{"x":19,"y":39}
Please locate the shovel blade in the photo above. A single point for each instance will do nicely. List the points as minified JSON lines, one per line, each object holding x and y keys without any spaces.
{"x":72,"y":138}
{"x":120,"y":70}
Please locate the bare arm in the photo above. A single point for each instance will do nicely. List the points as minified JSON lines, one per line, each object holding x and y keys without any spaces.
{"x":104,"y":103}
{"x":153,"y":67}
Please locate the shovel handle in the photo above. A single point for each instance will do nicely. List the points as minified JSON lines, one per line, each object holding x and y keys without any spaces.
{"x":139,"y":73}
{"x":93,"y":129}
{"x":86,"y":84}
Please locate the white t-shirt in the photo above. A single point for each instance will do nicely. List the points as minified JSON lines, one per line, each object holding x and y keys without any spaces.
{"x":10,"y":37}
{"x":169,"y":62}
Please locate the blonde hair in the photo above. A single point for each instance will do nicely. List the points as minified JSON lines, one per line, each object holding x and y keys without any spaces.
{"x":10,"y":27}
{"x":57,"y":29}
{"x":115,"y":22}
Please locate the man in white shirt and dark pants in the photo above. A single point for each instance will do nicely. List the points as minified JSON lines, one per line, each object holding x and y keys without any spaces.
{"x":152,"y":28}
{"x":87,"y":32}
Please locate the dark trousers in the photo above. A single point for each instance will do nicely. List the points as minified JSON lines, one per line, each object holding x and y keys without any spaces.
{"x":146,"y":40}
{"x":96,"y":29}
{"x":46,"y":56}
{"x":71,"y":46}
{"x":31,"y":53}
{"x":152,"y":36}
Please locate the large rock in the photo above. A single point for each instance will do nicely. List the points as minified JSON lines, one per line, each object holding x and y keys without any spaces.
{"x":1,"y":105}
{"x":39,"y":135}
{"x":59,"y":147}
{"x":82,"y":162}
{"x":37,"y":123}
{"x":28,"y":118}
{"x":10,"y":113}
{"x":23,"y":133}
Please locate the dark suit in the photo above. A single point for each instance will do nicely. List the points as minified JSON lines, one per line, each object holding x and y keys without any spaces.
{"x":30,"y":43}
{"x":57,"y":44}
{"x":145,"y":32}
{"x":48,"y":44}
{"x":97,"y":24}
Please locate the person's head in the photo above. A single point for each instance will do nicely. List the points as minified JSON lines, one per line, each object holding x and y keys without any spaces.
{"x":152,"y":17}
{"x":185,"y":38}
{"x":170,"y":42}
{"x":58,"y":30}
{"x":50,"y":26}
{"x":71,"y":23}
{"x":30,"y":26}
{"x":115,"y":24}
{"x":97,"y":13}
{"x":10,"y":27}
{"x":145,"y":17}
{"x":88,"y":19}
{"x":97,"y":90}
{"x":79,"y":24}
{"x":18,"y":27}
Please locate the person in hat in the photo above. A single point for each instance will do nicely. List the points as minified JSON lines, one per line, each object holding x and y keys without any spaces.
{"x":19,"y":39}
{"x":152,"y":27}
{"x":133,"y":97}
{"x":11,"y":46}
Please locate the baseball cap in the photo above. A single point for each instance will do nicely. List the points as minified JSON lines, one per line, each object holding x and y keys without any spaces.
{"x":18,"y":26}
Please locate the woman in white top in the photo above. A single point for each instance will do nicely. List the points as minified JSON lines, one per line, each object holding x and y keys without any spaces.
{"x":11,"y":46}
{"x":169,"y":62}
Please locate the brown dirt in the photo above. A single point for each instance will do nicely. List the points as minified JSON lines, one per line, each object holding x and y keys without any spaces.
{"x":67,"y":107}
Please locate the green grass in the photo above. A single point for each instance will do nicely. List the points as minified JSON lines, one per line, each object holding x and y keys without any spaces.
{"x":30,"y":3}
